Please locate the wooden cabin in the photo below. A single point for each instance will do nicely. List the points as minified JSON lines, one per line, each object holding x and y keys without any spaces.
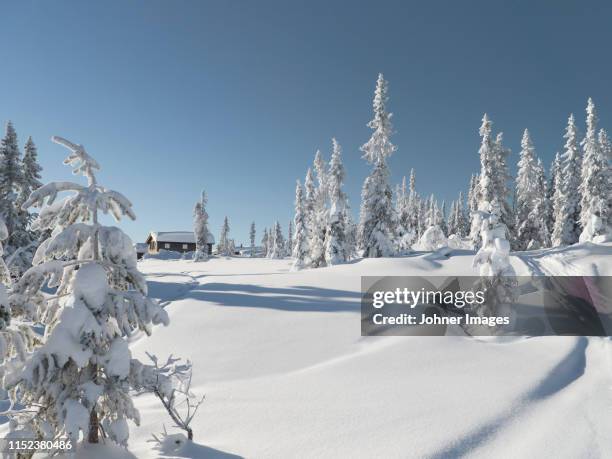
{"x":176,"y":241}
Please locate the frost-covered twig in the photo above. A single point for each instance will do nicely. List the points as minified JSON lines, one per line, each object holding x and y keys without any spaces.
{"x":171,"y":379}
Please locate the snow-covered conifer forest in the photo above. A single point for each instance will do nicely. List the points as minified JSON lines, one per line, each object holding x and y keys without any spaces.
{"x":254,"y":350}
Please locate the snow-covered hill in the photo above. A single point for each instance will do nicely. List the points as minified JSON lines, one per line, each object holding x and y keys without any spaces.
{"x":286,"y":373}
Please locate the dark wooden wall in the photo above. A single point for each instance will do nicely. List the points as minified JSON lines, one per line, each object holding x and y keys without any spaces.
{"x":177,"y":246}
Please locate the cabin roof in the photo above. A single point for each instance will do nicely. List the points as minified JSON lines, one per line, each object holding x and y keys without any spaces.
{"x":181,"y":237}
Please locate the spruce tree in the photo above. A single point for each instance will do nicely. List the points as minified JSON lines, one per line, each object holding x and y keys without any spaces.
{"x":318,"y":227}
{"x":534,"y":231}
{"x":11,"y":182}
{"x":351,"y":236}
{"x":401,"y":208}
{"x":486,"y":189}
{"x":224,"y":246}
{"x":540,"y":210}
{"x":605,"y":144}
{"x":473,"y":195}
{"x":252,"y":235}
{"x":490,"y":189}
{"x":460,"y":218}
{"x":553,"y":183}
{"x":452,"y":224}
{"x":423,"y":211}
{"x":300,"y":243}
{"x":25,"y":240}
{"x":79,"y":379}
{"x":278,"y":242}
{"x":264,"y":242}
{"x":377,"y":220}
{"x":309,"y":207}
{"x":566,"y":200}
{"x":442,"y":219}
{"x":413,"y":206}
{"x":200,"y":229}
{"x":526,"y":185}
{"x":502,"y":180}
{"x":30,"y":181}
{"x":289,"y":248}
{"x":595,"y":187}
{"x":336,"y":233}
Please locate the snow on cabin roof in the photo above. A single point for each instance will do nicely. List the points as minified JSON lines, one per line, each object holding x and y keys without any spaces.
{"x":183,"y":237}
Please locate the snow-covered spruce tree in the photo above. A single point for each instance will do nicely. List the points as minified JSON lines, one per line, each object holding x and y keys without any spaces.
{"x":351,"y":236}
{"x":401,"y":207}
{"x":270,"y":242}
{"x":605,"y":144}
{"x":79,"y":380}
{"x":377,"y":220}
{"x":30,"y":171}
{"x":300,"y":240}
{"x":278,"y":242}
{"x":264,"y":242}
{"x":433,"y":237}
{"x":289,"y":247}
{"x":487,"y":182}
{"x":502,"y":179}
{"x":11,"y":182}
{"x":553,"y":183}
{"x":200,"y":229}
{"x":414,"y":206}
{"x":406,"y":235}
{"x":498,"y":279}
{"x":28,"y":240}
{"x":526,"y":185}
{"x":452,"y":225}
{"x":423,"y":210}
{"x":541,"y":210}
{"x":566,"y":200}
{"x":7,"y":336}
{"x":442,"y":218}
{"x":460,"y":218}
{"x":223,"y":248}
{"x":595,"y":185}
{"x":431,"y":215}
{"x":319,"y":219}
{"x":533,"y":230}
{"x":252,"y":235}
{"x":30,"y":177}
{"x":456,"y":223}
{"x":472,"y":195}
{"x":336,"y":250}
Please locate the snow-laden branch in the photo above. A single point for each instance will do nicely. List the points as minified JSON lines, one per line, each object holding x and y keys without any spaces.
{"x":79,"y":159}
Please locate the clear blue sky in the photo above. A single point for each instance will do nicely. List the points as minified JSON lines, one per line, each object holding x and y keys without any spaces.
{"x":236,"y":96}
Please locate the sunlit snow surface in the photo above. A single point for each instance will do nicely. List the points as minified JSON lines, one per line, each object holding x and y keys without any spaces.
{"x":287,"y":375}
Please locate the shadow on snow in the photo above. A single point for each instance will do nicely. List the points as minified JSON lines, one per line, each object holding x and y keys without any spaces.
{"x":568,"y":370}
{"x":298,"y":298}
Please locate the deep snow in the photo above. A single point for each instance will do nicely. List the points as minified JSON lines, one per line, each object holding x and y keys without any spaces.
{"x":286,"y":373}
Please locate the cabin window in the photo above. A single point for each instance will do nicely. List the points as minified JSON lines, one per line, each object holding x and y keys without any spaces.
{"x":184,"y":246}
{"x":166,"y":246}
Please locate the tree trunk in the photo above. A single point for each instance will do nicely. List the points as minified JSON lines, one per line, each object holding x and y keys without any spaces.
{"x":94,"y":427}
{"x":94,"y":422}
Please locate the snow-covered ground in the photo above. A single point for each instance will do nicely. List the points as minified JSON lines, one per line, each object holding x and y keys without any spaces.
{"x":287,"y":375}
